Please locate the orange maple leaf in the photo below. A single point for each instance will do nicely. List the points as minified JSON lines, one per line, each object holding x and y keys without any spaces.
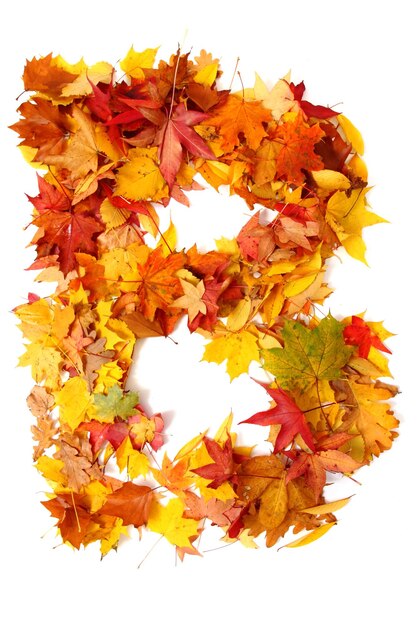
{"x":158,"y":283}
{"x":42,"y":127}
{"x":297,"y":152}
{"x":44,"y":75}
{"x":237,"y":116}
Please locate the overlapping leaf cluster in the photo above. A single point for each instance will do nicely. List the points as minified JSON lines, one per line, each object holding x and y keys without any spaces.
{"x":111,"y":151}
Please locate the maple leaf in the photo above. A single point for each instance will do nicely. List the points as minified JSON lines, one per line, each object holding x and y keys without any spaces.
{"x":87,"y":79}
{"x":222,"y":469}
{"x":239,"y":349}
{"x":367,"y":414}
{"x":237,"y":116}
{"x":288,"y":230}
{"x":169,"y":521}
{"x":214,"y":288}
{"x":132,"y":460}
{"x":46,"y":76}
{"x":67,"y":232}
{"x":347,"y":215}
{"x":308,"y":355}
{"x":173,"y":474}
{"x":45,"y":363}
{"x":135,"y":62}
{"x":279,"y":99}
{"x":192,"y":299}
{"x":49,"y":198}
{"x":140,"y":178}
{"x":175,"y":133}
{"x":313,"y":466}
{"x":73,"y":401}
{"x":43,"y":127}
{"x":132,"y":503}
{"x":215,"y":510}
{"x":297,"y":152}
{"x":262,"y":479}
{"x":255,"y":240}
{"x":113,"y":433}
{"x":265,"y":161}
{"x":81,"y":154}
{"x":116,"y":403}
{"x":288,"y":415}
{"x":311,"y":110}
{"x":158,"y":283}
{"x":358,"y":333}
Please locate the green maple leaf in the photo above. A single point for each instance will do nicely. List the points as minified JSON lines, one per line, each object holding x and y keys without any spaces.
{"x":115,"y":403}
{"x":308,"y":355}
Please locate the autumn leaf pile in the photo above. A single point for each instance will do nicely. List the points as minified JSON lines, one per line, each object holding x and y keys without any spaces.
{"x":112,"y":151}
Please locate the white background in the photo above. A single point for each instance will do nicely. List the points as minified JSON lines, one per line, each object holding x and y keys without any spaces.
{"x":357,"y":54}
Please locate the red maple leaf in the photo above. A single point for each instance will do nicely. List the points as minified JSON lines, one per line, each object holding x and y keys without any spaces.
{"x":297,"y":153}
{"x":327,"y":457}
{"x":288,"y":415}
{"x":223,"y":467}
{"x":49,"y":198}
{"x":176,"y":133}
{"x":311,"y":110}
{"x":358,"y":333}
{"x":65,"y":229}
{"x":255,"y":240}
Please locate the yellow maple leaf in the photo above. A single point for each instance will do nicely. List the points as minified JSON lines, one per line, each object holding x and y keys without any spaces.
{"x":135,"y":62}
{"x":73,"y":401}
{"x":140,"y":178}
{"x":169,"y":522}
{"x":96,"y":494}
{"x":101,"y":72}
{"x":45,"y":363}
{"x":136,"y":463}
{"x":112,"y":538}
{"x":35,"y":319}
{"x":108,"y":375}
{"x":51,"y":470}
{"x":347,"y":215}
{"x":238,"y":349}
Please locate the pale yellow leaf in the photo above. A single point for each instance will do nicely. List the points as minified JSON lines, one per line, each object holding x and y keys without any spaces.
{"x":329,"y":180}
{"x":310,"y":537}
{"x":329,"y":507}
{"x":352,"y":134}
